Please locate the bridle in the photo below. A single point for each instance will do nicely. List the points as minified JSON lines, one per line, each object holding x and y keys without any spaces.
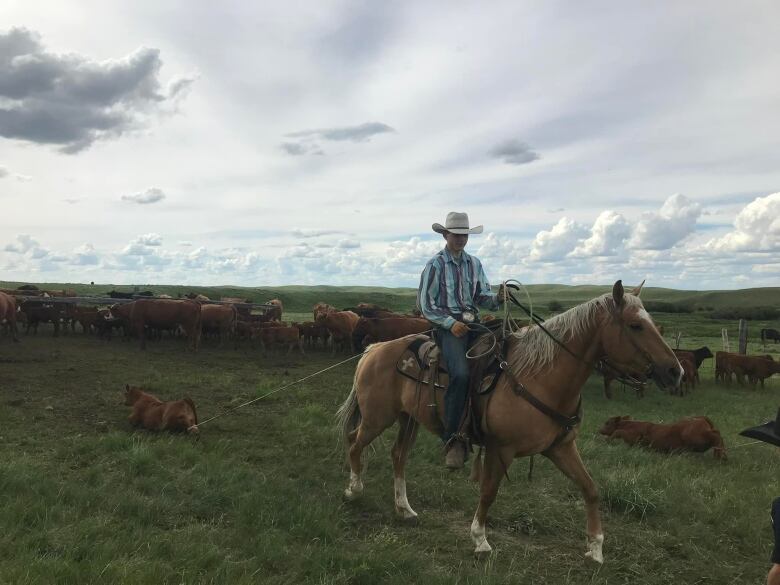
{"x":603,"y":366}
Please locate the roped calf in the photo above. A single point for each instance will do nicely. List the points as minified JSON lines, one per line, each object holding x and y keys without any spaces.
{"x":696,"y":434}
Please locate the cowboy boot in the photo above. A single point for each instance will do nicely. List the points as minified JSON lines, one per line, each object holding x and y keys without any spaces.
{"x":456,"y":454}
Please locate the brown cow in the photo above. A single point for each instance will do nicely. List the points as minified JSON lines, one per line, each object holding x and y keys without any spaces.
{"x":275,"y":313}
{"x":221,"y":318}
{"x":165,"y":314}
{"x":340,"y":325}
{"x":322,"y":309}
{"x":369,"y":330}
{"x":689,"y":434}
{"x":8,"y":314}
{"x":752,"y":367}
{"x":312,"y":332}
{"x":280,"y":336}
{"x":690,"y":373}
{"x":153,"y":414}
{"x":87,"y":317}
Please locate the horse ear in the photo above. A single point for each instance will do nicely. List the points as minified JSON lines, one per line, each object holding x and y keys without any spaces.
{"x":638,"y":290}
{"x":617,"y":293}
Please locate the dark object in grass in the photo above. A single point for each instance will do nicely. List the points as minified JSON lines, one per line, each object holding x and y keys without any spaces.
{"x":153,"y":414}
{"x":769,"y":432}
{"x":696,"y":434}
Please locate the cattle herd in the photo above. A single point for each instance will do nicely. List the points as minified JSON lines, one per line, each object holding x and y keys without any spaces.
{"x":193,"y":317}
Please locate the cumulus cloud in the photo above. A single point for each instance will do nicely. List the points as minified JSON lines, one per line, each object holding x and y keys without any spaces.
{"x":757,"y":228}
{"x":661,"y":231}
{"x":150,"y":239}
{"x":558,"y":242}
{"x":23,"y":244}
{"x":142,"y":245}
{"x":151,"y":195}
{"x":609,"y":232}
{"x":514,"y":152}
{"x":85,"y":255}
{"x":72,"y":101}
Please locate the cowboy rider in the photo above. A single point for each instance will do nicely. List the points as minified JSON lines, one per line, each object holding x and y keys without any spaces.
{"x":452,"y":287}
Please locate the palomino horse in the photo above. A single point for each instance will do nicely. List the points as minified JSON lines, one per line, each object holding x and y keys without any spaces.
{"x":613,"y":326}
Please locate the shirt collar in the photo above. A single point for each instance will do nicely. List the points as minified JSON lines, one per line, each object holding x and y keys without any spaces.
{"x":464,"y":257}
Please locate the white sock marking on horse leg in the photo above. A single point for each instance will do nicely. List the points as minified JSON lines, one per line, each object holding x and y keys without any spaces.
{"x":355,"y":485}
{"x":479,"y":537}
{"x":401,"y":502}
{"x":594,"y":548}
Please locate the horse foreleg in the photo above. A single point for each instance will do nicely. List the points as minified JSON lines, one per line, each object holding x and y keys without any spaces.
{"x":496,"y":462}
{"x":567,"y":458}
{"x":358,"y":439}
{"x":407,"y":433}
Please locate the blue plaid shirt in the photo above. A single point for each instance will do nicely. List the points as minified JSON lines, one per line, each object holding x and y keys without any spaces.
{"x":449,"y":287}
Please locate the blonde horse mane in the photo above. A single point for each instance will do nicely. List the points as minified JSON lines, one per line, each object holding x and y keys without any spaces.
{"x":536,"y":351}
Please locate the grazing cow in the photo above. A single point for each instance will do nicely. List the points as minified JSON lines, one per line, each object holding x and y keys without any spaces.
{"x":275,"y":312}
{"x":8,"y":314}
{"x":340,"y":325}
{"x":372,"y":330}
{"x":689,"y":434}
{"x":153,"y":414}
{"x":165,"y":314}
{"x":770,"y":334}
{"x":219,"y":318}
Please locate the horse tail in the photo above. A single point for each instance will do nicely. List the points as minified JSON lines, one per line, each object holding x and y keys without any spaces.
{"x":348,"y":414}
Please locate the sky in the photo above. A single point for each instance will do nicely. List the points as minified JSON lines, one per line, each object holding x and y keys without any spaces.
{"x":268,"y":143}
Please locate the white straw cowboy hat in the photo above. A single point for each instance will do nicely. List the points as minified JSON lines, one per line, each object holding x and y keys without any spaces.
{"x":456,"y":223}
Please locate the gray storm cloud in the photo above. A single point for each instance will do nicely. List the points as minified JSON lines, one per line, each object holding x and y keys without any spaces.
{"x":71,"y":101}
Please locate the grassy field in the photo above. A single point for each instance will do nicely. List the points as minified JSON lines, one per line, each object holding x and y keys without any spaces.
{"x":258,"y":499}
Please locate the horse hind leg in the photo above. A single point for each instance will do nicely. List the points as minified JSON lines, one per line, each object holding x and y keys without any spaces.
{"x":407,"y":433}
{"x":567,"y":459}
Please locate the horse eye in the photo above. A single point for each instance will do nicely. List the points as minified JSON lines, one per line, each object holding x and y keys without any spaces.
{"x":635,"y":327}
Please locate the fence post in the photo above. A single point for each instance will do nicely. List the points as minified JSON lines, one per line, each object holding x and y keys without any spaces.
{"x":724,"y":336}
{"x":743,"y":336}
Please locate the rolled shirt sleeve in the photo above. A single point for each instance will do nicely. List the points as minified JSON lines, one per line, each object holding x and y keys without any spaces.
{"x":427,"y":295}
{"x":485,"y":298}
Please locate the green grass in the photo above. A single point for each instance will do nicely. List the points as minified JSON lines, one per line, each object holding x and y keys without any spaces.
{"x":86,"y":499}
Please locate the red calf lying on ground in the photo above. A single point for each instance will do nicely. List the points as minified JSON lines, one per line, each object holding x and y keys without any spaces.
{"x":153,"y":414}
{"x":689,"y":434}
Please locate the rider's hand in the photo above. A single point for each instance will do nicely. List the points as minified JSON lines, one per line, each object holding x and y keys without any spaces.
{"x":459,"y":329}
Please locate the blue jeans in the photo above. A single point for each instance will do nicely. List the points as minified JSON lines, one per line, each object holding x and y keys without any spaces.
{"x":454,"y":353}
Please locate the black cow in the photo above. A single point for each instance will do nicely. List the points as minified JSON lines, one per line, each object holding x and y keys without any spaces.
{"x":772,"y":334}
{"x":700,"y":354}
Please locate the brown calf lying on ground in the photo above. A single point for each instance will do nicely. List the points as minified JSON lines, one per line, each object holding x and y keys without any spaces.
{"x":153,"y":414}
{"x":689,"y":434}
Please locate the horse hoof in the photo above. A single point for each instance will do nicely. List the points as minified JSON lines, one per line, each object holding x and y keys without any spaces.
{"x":595,"y":557}
{"x":412,"y":520}
{"x":350,"y":496}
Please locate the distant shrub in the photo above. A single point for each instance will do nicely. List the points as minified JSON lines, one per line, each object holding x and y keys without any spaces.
{"x":663,"y":307}
{"x":554,"y":306}
{"x":747,"y":313}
